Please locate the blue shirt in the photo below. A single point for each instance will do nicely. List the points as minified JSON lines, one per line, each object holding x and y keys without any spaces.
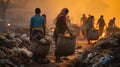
{"x":37,"y":21}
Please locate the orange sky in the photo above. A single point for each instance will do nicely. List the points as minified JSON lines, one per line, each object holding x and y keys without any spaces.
{"x":109,"y":8}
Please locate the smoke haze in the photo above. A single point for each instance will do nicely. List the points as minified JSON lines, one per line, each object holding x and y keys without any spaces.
{"x":108,"y":8}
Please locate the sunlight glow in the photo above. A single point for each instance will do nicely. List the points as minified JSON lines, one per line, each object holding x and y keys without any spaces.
{"x":8,"y":24}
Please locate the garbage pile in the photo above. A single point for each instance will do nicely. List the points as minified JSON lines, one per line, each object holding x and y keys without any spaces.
{"x":14,"y":50}
{"x":110,"y":30}
{"x":104,"y":54}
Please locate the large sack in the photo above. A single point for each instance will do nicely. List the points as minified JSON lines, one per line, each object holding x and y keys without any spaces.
{"x":65,"y":45}
{"x":39,"y":48}
{"x":26,"y":53}
{"x":93,"y":34}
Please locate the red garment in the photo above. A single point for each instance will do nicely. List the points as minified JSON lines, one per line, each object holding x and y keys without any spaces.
{"x":61,"y":26}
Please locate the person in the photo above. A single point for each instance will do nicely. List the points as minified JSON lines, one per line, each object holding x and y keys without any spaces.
{"x":89,"y":26}
{"x":112,"y":22}
{"x":101,"y":24}
{"x":83,"y":22}
{"x":37,"y":24}
{"x":44,"y":16}
{"x":60,"y":28}
{"x":47,"y":31}
{"x":37,"y":27}
{"x":83,"y":19}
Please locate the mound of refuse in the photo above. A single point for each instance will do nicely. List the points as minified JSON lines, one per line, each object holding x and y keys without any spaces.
{"x":110,"y":30}
{"x":14,"y":50}
{"x":104,"y":54}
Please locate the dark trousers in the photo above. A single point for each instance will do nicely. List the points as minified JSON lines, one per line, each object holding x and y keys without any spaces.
{"x":39,"y":33}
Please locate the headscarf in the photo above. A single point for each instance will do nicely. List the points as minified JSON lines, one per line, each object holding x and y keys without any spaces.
{"x":63,"y":12}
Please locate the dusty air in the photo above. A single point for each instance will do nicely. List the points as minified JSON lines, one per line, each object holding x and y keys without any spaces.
{"x":59,"y":33}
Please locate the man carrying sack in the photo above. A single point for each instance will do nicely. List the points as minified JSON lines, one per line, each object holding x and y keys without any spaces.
{"x":37,"y":30}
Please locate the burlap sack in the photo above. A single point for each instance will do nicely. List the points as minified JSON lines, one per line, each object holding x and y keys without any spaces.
{"x":93,"y":34}
{"x":65,"y":45}
{"x":40,"y":49}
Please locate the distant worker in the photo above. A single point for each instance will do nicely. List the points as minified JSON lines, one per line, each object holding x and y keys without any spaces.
{"x":44,"y":16}
{"x":112,"y":22}
{"x":46,"y":28}
{"x":83,"y":23}
{"x":83,"y":19}
{"x":89,"y":26}
{"x":101,"y":24}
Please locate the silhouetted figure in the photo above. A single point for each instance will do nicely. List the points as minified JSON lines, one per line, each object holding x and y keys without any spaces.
{"x":46,"y":28}
{"x":37,"y":26}
{"x":89,"y":15}
{"x":112,"y":22}
{"x":89,"y":26}
{"x":101,"y":24}
{"x":60,"y":28}
{"x":44,"y":16}
{"x":83,"y":19}
{"x":83,"y":22}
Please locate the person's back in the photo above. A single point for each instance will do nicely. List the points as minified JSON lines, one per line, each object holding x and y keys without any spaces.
{"x":61,"y":22}
{"x":37,"y":24}
{"x":101,"y":22}
{"x":37,"y":21}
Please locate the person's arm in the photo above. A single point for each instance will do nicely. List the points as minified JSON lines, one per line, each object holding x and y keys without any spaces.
{"x":98,"y":21}
{"x":71,"y":34}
